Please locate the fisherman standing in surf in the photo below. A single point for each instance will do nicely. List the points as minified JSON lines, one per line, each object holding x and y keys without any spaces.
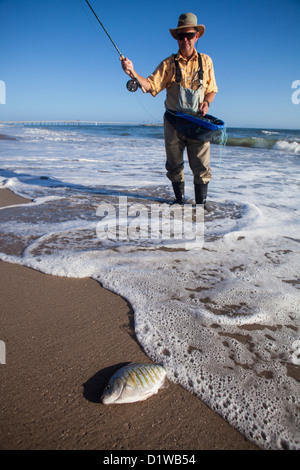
{"x":190,"y":82}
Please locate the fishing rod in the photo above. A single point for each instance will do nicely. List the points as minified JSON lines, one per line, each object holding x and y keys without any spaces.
{"x":133,"y":84}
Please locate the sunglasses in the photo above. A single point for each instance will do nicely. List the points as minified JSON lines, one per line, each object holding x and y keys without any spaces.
{"x":182,"y":36}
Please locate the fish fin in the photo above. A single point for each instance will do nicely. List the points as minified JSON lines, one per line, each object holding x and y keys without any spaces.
{"x":129,"y":386}
{"x":165,"y":383}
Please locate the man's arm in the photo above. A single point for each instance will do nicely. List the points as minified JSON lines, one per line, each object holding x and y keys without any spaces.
{"x":127,"y":66}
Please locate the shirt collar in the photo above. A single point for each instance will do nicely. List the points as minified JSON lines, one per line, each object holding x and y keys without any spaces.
{"x":194,"y":56}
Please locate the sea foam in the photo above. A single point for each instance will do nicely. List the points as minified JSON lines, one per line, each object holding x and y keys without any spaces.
{"x":291,"y":147}
{"x":222,"y":317}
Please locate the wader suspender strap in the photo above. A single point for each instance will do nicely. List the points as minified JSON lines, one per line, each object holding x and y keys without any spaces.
{"x":200,"y":69}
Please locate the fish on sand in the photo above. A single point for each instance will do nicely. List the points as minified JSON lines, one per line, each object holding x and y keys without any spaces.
{"x":134,"y":382}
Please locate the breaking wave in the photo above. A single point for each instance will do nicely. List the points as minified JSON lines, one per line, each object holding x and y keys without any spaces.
{"x":264,"y":143}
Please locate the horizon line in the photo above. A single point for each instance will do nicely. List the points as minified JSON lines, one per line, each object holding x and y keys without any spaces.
{"x":95,"y":122}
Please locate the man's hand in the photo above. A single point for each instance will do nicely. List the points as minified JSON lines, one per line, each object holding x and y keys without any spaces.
{"x":203,"y":108}
{"x":208,"y":99}
{"x":127,"y":66}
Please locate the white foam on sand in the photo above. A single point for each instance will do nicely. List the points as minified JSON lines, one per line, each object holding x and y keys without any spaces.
{"x":222,"y":317}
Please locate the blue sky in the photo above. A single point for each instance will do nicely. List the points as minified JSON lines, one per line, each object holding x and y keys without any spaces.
{"x":58,"y":64}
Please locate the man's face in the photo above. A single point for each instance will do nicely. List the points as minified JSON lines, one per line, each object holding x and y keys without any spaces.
{"x":186,"y":38}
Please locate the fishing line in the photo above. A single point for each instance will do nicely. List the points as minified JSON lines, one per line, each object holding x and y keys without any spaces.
{"x":155,"y":120}
{"x":117,"y":49}
{"x":221,"y":144}
{"x":133,"y":84}
{"x":84,"y":7}
{"x":222,"y":153}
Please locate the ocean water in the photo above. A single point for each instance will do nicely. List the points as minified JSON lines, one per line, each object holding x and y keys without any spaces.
{"x":219,"y":308}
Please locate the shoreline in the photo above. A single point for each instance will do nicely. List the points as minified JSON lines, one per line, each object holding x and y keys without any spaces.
{"x":64,"y":338}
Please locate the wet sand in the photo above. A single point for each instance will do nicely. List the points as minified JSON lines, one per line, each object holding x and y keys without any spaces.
{"x":63,"y":339}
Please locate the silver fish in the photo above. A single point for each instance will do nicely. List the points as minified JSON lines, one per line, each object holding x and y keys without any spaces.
{"x":134,"y":382}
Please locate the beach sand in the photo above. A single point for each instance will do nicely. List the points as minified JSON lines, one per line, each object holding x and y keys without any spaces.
{"x":64,"y":338}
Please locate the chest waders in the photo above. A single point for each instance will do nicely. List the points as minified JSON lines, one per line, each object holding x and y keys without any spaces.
{"x":188,"y":101}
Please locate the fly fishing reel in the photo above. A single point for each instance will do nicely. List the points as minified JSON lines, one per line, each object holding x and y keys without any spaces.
{"x":132,"y":85}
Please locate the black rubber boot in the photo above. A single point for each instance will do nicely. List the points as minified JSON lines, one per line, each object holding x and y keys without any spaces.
{"x":200,"y":193}
{"x":179,"y":193}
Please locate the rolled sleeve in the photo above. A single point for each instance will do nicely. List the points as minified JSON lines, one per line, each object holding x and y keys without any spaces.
{"x":162,"y":77}
{"x":209,"y":81}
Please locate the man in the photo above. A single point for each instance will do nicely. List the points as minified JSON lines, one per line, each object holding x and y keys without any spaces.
{"x":191,"y":88}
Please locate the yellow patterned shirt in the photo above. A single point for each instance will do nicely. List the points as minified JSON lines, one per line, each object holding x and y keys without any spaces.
{"x":165,"y":74}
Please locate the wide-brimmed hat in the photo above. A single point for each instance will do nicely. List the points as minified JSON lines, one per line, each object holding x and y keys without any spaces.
{"x":188,"y":20}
